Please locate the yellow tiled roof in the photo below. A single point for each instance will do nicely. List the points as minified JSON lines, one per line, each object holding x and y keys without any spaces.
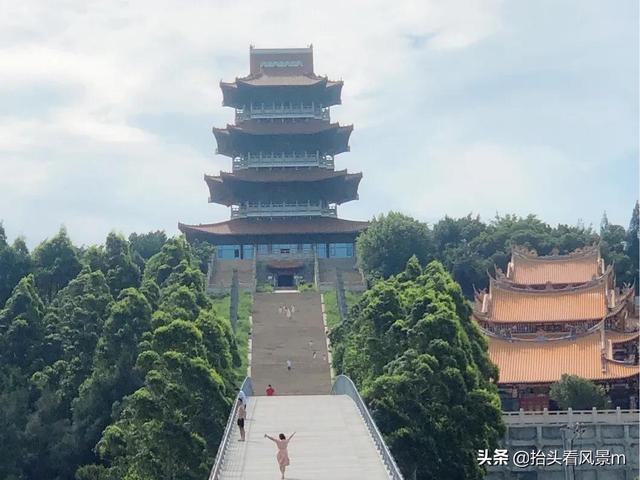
{"x":546,"y":361}
{"x":512,"y":305}
{"x":540,"y":270}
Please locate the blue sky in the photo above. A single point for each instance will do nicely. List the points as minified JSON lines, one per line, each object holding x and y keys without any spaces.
{"x":467,"y":106}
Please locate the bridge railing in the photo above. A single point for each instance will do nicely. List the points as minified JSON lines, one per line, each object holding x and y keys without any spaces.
{"x":345,"y":386}
{"x":247,"y":388}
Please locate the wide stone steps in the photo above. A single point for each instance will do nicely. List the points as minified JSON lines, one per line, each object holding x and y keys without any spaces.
{"x":276,"y":339}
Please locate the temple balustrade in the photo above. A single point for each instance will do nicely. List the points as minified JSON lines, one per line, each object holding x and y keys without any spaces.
{"x":284,"y":209}
{"x":539,"y":331}
{"x":282,"y":110}
{"x":281,"y":159}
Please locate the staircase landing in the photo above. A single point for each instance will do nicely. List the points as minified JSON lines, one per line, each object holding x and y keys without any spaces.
{"x":332,"y":441}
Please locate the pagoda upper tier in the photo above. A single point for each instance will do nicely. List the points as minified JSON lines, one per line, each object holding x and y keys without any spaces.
{"x":283,"y":185}
{"x":281,"y":81}
{"x":256,"y":138}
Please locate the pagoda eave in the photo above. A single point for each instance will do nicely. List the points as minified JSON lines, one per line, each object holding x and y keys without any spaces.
{"x":243,"y":91}
{"x":234,"y":141}
{"x":332,"y":188}
{"x":285,"y":230}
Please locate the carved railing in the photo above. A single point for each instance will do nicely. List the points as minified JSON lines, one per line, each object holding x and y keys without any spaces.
{"x":247,"y":388}
{"x":282,"y":111}
{"x":295,"y":159}
{"x":617,"y":416}
{"x":344,"y":386}
{"x":283,"y":210}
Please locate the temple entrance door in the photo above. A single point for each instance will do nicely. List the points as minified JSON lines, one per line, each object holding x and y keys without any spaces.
{"x":285,"y":280}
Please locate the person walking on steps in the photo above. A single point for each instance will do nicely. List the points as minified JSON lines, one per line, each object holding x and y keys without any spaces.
{"x":289,"y":366}
{"x":270,"y":391}
{"x":283,"y":454}
{"x":242,"y":415}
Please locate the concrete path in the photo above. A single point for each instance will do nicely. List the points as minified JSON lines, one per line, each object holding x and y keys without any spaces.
{"x":332,"y":441}
{"x":276,"y":339}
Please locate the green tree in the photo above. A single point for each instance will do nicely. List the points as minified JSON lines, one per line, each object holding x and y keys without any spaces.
{"x":389,"y":241}
{"x":169,"y":427}
{"x":166,"y":425}
{"x":469,"y":249}
{"x":121,"y":271}
{"x":15,"y":263}
{"x":424,"y":370}
{"x":22,"y":329}
{"x":147,"y":244}
{"x":578,"y":393}
{"x":74,"y":322}
{"x":162,"y":264}
{"x":21,"y":350}
{"x":203,"y":251}
{"x":94,"y":258}
{"x":632,"y":246}
{"x":113,"y":375}
{"x":614,"y":249}
{"x":56,"y":264}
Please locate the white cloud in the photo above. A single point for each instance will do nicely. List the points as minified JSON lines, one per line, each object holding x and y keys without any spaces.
{"x":112,"y":152}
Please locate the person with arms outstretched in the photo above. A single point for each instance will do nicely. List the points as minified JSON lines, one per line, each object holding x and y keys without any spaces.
{"x":283,"y":454}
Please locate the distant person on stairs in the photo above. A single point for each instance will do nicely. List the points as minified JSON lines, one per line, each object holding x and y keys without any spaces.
{"x":289,"y":366}
{"x":283,"y":453}
{"x":270,"y":391}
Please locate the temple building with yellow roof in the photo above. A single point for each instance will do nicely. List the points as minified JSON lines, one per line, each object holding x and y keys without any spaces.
{"x":559,"y":314}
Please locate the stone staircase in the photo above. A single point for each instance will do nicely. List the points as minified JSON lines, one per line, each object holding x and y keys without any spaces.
{"x":276,"y":339}
{"x":351,"y":276}
{"x":220,"y":275}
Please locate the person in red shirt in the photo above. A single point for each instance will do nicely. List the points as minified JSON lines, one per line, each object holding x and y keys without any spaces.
{"x":270,"y":391}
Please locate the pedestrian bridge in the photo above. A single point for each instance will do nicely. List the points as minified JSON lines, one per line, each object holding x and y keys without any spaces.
{"x":336,"y":438}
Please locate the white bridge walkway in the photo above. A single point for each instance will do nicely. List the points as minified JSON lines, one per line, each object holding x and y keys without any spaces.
{"x":332,"y":441}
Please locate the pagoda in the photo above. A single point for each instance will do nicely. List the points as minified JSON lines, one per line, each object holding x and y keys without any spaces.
{"x":283,"y":189}
{"x":559,"y":314}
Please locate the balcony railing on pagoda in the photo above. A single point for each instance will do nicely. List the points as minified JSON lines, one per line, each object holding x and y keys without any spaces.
{"x":283,"y":210}
{"x":303,"y":159}
{"x":268,"y":111}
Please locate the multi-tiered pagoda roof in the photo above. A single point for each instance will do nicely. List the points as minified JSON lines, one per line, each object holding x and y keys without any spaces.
{"x":558,"y":314}
{"x":283,"y":180}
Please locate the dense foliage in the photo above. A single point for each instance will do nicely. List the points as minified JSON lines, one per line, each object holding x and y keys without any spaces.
{"x":114,"y":365}
{"x":578,"y":393}
{"x":390,"y":241}
{"x":469,"y":248}
{"x":424,"y":371}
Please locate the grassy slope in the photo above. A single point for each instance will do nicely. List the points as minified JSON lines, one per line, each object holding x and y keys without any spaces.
{"x":221,"y":307}
{"x":331,"y":306}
